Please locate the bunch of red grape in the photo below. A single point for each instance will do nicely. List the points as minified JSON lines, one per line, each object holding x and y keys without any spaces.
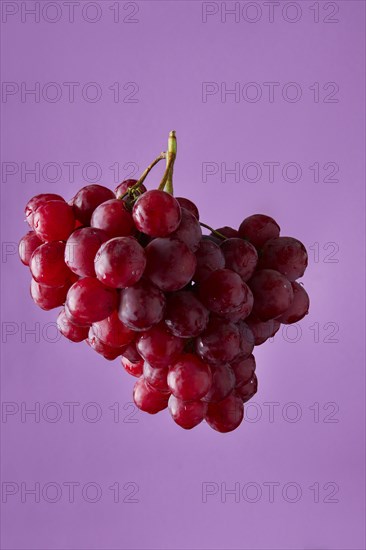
{"x":138,"y":280}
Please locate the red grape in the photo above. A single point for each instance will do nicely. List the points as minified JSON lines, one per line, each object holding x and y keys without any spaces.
{"x":240,"y":256}
{"x":69,"y":330}
{"x":226,"y":415}
{"x":189,"y":231}
{"x":258,"y":229}
{"x":112,"y":332}
{"x":156,"y":378}
{"x":113,"y":217}
{"x":220,"y":342}
{"x":108,"y":352}
{"x":27,"y":246}
{"x":88,"y":301}
{"x":141,"y":306}
{"x":148,"y":399}
{"x":243,"y":368}
{"x":223,"y":291}
{"x":185,"y":315}
{"x":247,"y":340}
{"x":299,"y":307}
{"x":36,"y":202}
{"x":156,"y":213}
{"x":263,"y":330}
{"x":81,"y":248}
{"x":189,"y":378}
{"x":135,"y":369}
{"x":286,"y":255}
{"x":223,"y":383}
{"x":47,"y":297}
{"x":131,"y":354}
{"x":209,"y":258}
{"x":228,"y":232}
{"x":246,"y":391}
{"x":188,"y":205}
{"x":47,"y":264}
{"x":87,"y":199}
{"x":272,"y":294}
{"x":243,"y":311}
{"x":187,"y":414}
{"x":120,"y":262}
{"x":54,"y":221}
{"x":159,"y":347}
{"x":170,"y":264}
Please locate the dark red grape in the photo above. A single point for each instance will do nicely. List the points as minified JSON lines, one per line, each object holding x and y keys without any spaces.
{"x":170,"y":264}
{"x":219,"y":343}
{"x":209,"y":258}
{"x":69,"y":330}
{"x":47,"y":264}
{"x":36,"y":202}
{"x":112,"y":332}
{"x":81,"y":248}
{"x":135,"y":369}
{"x":159,"y":347}
{"x":108,"y":352}
{"x":263,"y":331}
{"x":89,"y":301}
{"x":125,"y":185}
{"x":189,"y":230}
{"x":185,"y":315}
{"x":132,"y":354}
{"x":120,"y":262}
{"x":272,"y":293}
{"x":258,"y":229}
{"x":148,"y":399}
{"x":87,"y":199}
{"x":243,"y":368}
{"x":189,"y":378}
{"x":223,"y":291}
{"x":113,"y":217}
{"x":247,"y":340}
{"x":47,"y":297}
{"x":156,"y":213}
{"x":223,"y":383}
{"x":240,"y":256}
{"x":188,"y":205}
{"x":246,"y":391}
{"x":286,"y":255}
{"x":157,"y":378}
{"x":299,"y":307}
{"x":27,"y":246}
{"x":187,"y":414}
{"x":243,"y":311}
{"x":54,"y":221}
{"x":228,"y":232}
{"x":226,"y":415}
{"x":141,"y":306}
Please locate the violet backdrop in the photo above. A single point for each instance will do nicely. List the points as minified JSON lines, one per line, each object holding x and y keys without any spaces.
{"x":273,"y":92}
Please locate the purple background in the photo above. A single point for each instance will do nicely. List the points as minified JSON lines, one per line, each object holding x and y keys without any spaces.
{"x":169,"y":52}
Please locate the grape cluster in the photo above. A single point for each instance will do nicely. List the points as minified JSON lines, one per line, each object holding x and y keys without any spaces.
{"x":136,"y":279}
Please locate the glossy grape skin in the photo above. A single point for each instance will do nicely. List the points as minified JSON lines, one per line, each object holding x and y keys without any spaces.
{"x":219,"y":343}
{"x":159,"y":347}
{"x":148,"y":399}
{"x":223,"y":383}
{"x":228,"y":232}
{"x":272,"y":293}
{"x":243,"y":368}
{"x":209,"y":258}
{"x":185,"y":315}
{"x":47,"y":297}
{"x":134,"y":369}
{"x":258,"y":229}
{"x":108,"y":352}
{"x":112,"y":332}
{"x":54,"y":221}
{"x":89,"y":301}
{"x":36,"y":202}
{"x":189,"y":378}
{"x":113,"y":217}
{"x":123,"y":187}
{"x":223,"y":291}
{"x":141,"y":306}
{"x":156,"y":378}
{"x":188,"y":205}
{"x":69,"y":330}
{"x":47,"y":264}
{"x":27,"y":246}
{"x":81,"y":248}
{"x":243,"y":311}
{"x":286,"y":255}
{"x":263,"y":330}
{"x":248,"y":390}
{"x":170,"y":264}
{"x":87,"y":199}
{"x":187,"y":414}
{"x":226,"y":415}
{"x":247,"y":339}
{"x":189,"y":231}
{"x":240,"y":256}
{"x":299,"y":307}
{"x":120,"y":262}
{"x":132,"y":354}
{"x":156,"y":213}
